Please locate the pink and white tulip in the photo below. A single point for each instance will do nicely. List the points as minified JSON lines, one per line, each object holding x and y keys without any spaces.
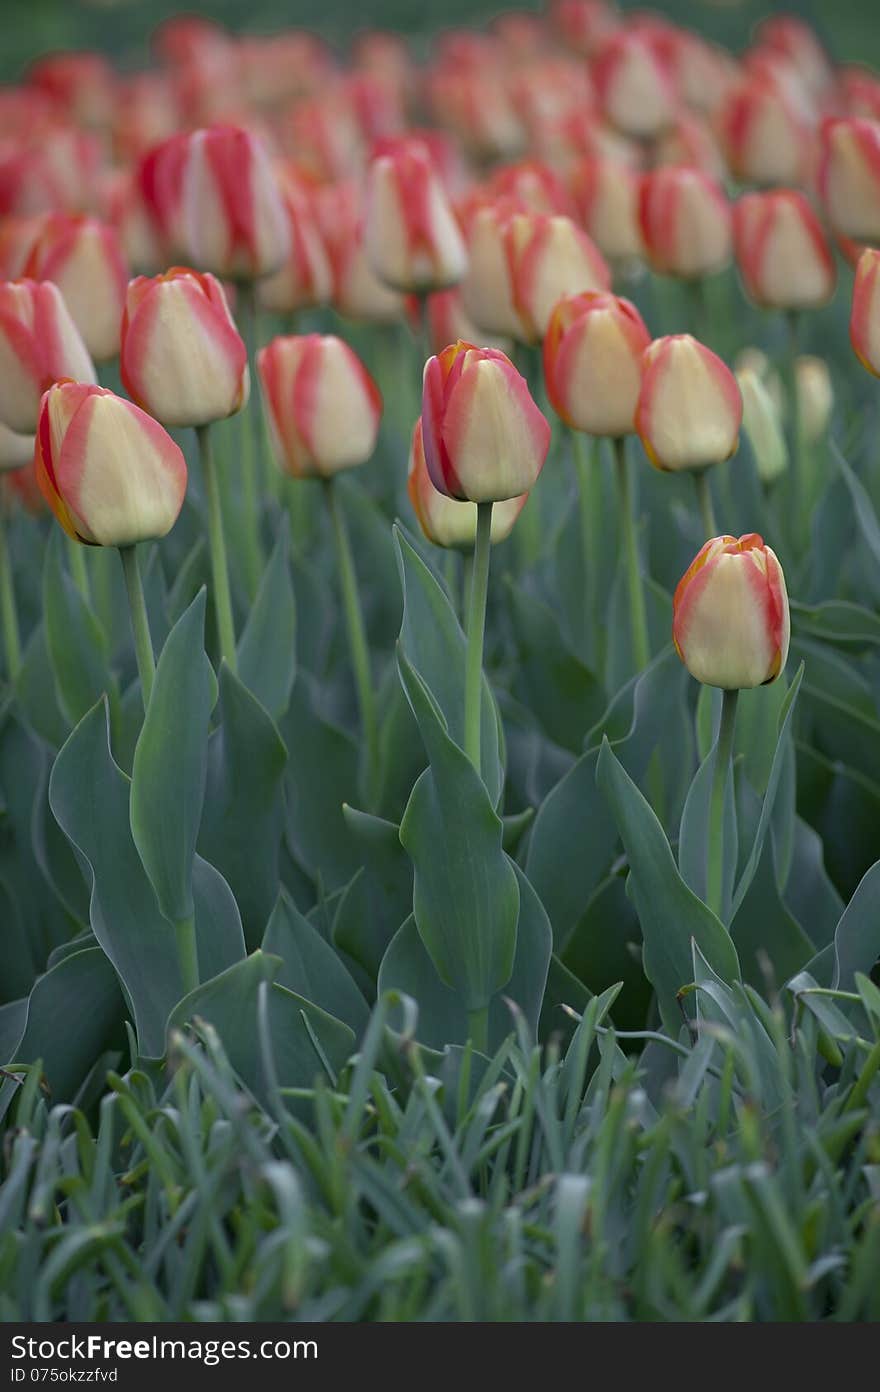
{"x":783,"y":255}
{"x":685,"y":222}
{"x":411,"y":235}
{"x":593,"y":363}
{"x":83,"y":257}
{"x":689,"y":409}
{"x":39,"y":344}
{"x":445,"y":521}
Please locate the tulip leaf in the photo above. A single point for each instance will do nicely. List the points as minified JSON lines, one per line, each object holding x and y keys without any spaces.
{"x":170,"y":764}
{"x":693,"y":836}
{"x":37,"y":694}
{"x":764,"y":930}
{"x":808,"y":891}
{"x":267,"y":647}
{"x":564,"y":695}
{"x":435,"y":647}
{"x":466,"y":895}
{"x":381,"y":895}
{"x":242,"y":821}
{"x":670,"y":913}
{"x":74,"y":638}
{"x":863,"y":508}
{"x":407,"y":967}
{"x":310,"y":967}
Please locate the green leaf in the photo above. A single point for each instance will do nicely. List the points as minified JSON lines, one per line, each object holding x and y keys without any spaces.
{"x":808,"y":891}
{"x":670,"y":914}
{"x":381,"y":896}
{"x":837,"y":621}
{"x":310,"y":967}
{"x":74,"y":639}
{"x":37,"y":696}
{"x":862,"y":506}
{"x":605,"y":948}
{"x":564,"y":695}
{"x":693,"y":836}
{"x":170,"y":764}
{"x":857,"y":936}
{"x":434,"y":646}
{"x":243,"y":814}
{"x":466,"y":897}
{"x":267,"y":647}
{"x":764,"y":931}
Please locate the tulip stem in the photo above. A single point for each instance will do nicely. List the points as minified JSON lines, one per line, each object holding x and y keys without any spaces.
{"x":8,"y":606}
{"x":707,"y":507}
{"x":638,"y":613}
{"x":217,"y":545}
{"x":253,"y":453}
{"x":589,"y":485}
{"x":478,"y":1028}
{"x":357,"y":638}
{"x":140,"y":623}
{"x":473,"y":677}
{"x":187,"y":953}
{"x":77,"y":556}
{"x":720,"y":773}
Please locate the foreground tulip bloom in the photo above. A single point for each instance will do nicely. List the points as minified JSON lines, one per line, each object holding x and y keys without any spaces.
{"x":864,"y":324}
{"x":781,"y":250}
{"x":83,"y":257}
{"x":39,"y":343}
{"x":411,"y":235}
{"x":182,"y":358}
{"x":730,"y":614}
{"x":109,"y":472}
{"x":232,"y":213}
{"x":444,"y":521}
{"x":849,"y":177}
{"x":593,"y":362}
{"x":690,"y":409}
{"x":322,"y":405}
{"x":685,"y":222}
{"x":485,"y":439}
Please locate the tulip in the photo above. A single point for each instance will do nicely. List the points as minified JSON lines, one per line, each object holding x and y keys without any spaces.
{"x":358,"y":292}
{"x":549,"y":257}
{"x":584,"y":24}
{"x":15,"y":450}
{"x":762,"y":423}
{"x":487,"y":291}
{"x":322,"y":404}
{"x":411,"y":236}
{"x":685,"y":222}
{"x":730,"y":614}
{"x":796,"y":42}
{"x":182,"y":358}
{"x":159,"y":181}
{"x":815,"y":397}
{"x":849,"y":177}
{"x":781,"y":250}
{"x":485,"y":439}
{"x":39,"y":343}
{"x":633,"y":86}
{"x":593,"y":362}
{"x":766,"y":125}
{"x":606,"y":195}
{"x":306,"y":278}
{"x":445,"y":521}
{"x":233,"y":216}
{"x":82,"y":256}
{"x":533,"y":186}
{"x":475,"y":105}
{"x":690,"y":142}
{"x":80,"y":83}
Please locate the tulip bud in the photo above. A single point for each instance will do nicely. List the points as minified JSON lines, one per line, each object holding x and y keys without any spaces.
{"x":766,"y":125}
{"x":233,"y":216}
{"x":815,"y":396}
{"x":445,"y":521}
{"x":39,"y":343}
{"x":357,"y":291}
{"x":849,"y":177}
{"x":485,"y":439}
{"x":549,"y":257}
{"x":322,"y":405}
{"x":15,"y":450}
{"x":82,"y":256}
{"x":109,"y":472}
{"x":306,"y":278}
{"x":593,"y":362}
{"x":730,"y":614}
{"x":685,"y":222}
{"x":606,"y":195}
{"x":532,"y":186}
{"x":486,"y":290}
{"x":448,"y":321}
{"x":783,"y":257}
{"x":182,"y":358}
{"x":584,"y":24}
{"x":411,"y":235}
{"x":763,"y":424}
{"x":633,"y":87}
{"x":690,"y":409}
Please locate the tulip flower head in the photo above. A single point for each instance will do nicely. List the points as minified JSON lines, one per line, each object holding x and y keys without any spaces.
{"x":39,"y":344}
{"x":445,"y":521}
{"x":411,"y":234}
{"x":306,"y":278}
{"x":109,"y":472}
{"x":766,"y":123}
{"x":689,"y":410}
{"x":762,"y":422}
{"x":15,"y":450}
{"x":548,"y":257}
{"x":634,"y":88}
{"x":731,"y":622}
{"x":783,"y":256}
{"x":849,"y":177}
{"x":233,"y":217}
{"x":864,"y":324}
{"x":83,"y":257}
{"x":606,"y":195}
{"x":685,"y":222}
{"x":485,"y":440}
{"x":593,"y":362}
{"x":322,"y":405}
{"x":182,"y":358}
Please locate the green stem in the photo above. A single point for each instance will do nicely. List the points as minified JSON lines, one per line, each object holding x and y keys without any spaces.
{"x":699,"y":309}
{"x":77,"y":556}
{"x":478,"y":1029}
{"x":140,"y":623}
{"x":798,"y":491}
{"x":720,"y":773}
{"x":473,"y":678}
{"x":8,"y":606}
{"x":253,"y":454}
{"x":707,"y":507}
{"x":357,"y":637}
{"x":187,"y":953}
{"x":217,"y":545}
{"x":589,"y":484}
{"x":638,"y":613}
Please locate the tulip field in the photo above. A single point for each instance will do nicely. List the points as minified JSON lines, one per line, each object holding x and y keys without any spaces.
{"x":440,"y":668}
